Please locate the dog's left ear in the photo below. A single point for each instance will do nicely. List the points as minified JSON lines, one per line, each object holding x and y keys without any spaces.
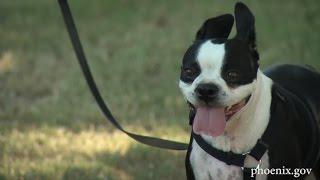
{"x":245,"y":26}
{"x":217,"y":27}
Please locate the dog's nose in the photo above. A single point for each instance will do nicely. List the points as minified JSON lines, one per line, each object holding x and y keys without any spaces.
{"x":207,"y":91}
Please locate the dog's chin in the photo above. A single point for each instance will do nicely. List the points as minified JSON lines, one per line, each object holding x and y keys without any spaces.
{"x":211,"y":118}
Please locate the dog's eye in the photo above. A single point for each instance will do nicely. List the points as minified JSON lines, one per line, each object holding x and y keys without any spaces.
{"x":232,"y":76}
{"x":188,"y":71}
{"x":188,"y":74}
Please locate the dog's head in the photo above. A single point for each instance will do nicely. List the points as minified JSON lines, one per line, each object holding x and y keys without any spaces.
{"x":217,"y":73}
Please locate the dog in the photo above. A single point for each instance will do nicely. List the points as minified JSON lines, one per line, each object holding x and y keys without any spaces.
{"x":235,"y":105}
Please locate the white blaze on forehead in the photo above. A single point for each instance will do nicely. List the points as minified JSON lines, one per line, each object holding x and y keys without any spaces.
{"x":210,"y":56}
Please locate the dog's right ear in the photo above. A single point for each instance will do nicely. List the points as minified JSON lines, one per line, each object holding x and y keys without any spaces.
{"x":217,"y":27}
{"x":245,"y":27}
{"x":245,"y":24}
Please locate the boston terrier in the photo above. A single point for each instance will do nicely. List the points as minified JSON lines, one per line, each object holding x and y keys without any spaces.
{"x":244,"y":119}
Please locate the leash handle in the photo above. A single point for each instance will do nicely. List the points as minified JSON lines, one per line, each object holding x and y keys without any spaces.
{"x":76,"y":43}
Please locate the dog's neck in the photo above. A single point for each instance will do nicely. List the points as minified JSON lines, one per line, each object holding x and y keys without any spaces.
{"x":248,"y":125}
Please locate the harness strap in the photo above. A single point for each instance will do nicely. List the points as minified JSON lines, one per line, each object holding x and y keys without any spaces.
{"x":231,"y":158}
{"x":258,"y":150}
{"x":151,"y":141}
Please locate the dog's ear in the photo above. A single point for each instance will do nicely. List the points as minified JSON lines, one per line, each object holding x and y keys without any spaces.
{"x":245,"y":27}
{"x":245,"y":24}
{"x":217,"y":27}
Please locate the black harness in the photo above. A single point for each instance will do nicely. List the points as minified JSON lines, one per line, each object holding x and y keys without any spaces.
{"x":230,"y":158}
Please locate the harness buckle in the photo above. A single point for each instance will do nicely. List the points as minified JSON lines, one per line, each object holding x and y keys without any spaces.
{"x":249,"y":168}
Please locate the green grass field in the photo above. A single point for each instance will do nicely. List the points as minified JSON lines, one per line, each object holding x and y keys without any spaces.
{"x":50,"y":126}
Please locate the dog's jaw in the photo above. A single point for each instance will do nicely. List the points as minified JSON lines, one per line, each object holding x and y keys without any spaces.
{"x":246,"y":126}
{"x":241,"y":134}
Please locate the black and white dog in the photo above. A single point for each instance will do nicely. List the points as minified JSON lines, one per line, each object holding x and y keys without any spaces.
{"x":235,"y":105}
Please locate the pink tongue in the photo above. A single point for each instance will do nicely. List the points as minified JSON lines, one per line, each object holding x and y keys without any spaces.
{"x":209,"y":121}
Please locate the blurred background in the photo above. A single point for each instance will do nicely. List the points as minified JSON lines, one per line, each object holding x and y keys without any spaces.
{"x":50,"y":126}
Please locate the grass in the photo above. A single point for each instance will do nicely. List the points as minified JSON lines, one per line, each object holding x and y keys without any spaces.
{"x":50,"y":126}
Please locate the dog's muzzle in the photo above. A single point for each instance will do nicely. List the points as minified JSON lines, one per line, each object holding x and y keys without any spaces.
{"x":207,"y":92}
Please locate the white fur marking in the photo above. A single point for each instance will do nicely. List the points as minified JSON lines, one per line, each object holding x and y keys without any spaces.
{"x":210,"y":58}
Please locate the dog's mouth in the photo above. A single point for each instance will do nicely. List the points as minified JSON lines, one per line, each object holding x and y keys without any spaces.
{"x":212,"y":120}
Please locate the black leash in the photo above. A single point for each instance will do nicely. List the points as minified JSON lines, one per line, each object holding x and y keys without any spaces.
{"x":151,"y":141}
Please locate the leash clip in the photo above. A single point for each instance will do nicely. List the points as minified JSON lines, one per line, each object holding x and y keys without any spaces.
{"x":249,"y":168}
